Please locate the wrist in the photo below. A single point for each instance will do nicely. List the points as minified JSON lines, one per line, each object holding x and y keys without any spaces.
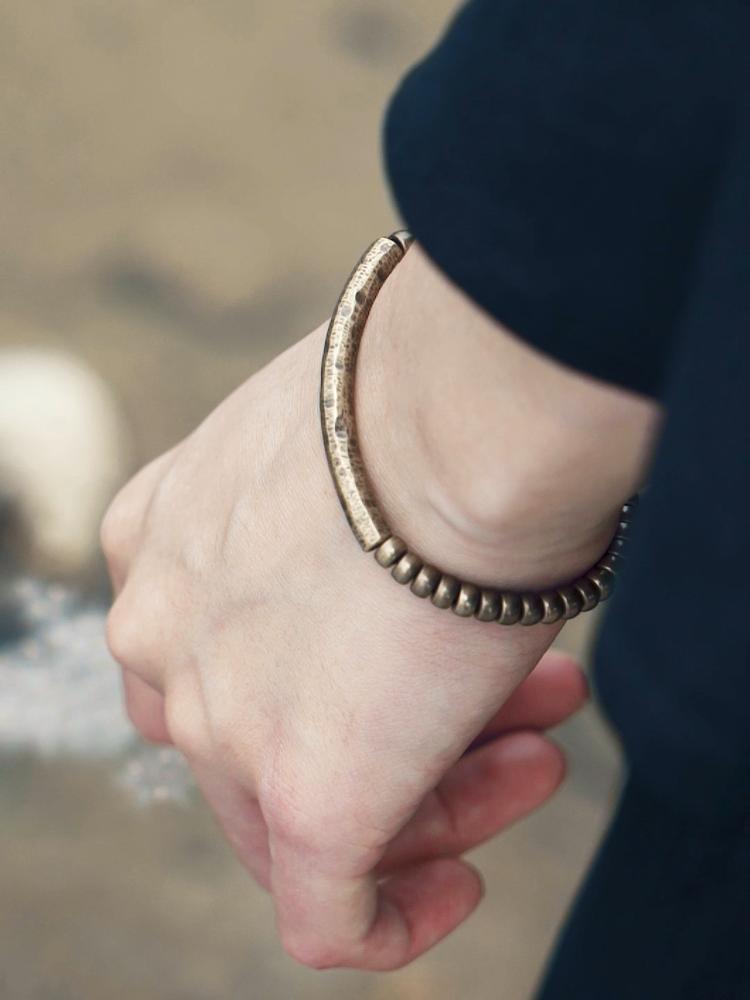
{"x":491,"y":461}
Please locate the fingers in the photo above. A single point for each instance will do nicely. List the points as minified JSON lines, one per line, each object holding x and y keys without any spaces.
{"x":145,"y":708}
{"x":554,"y":690}
{"x":326,"y":919}
{"x":482,"y":794}
{"x":333,"y":910}
{"x":123,"y":521}
{"x":432,"y":899}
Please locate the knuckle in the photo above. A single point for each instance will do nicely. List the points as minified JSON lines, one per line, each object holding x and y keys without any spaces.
{"x":116,"y":528}
{"x":139,"y":628}
{"x":123,"y":634}
{"x":297,"y":824}
{"x":186,"y":725}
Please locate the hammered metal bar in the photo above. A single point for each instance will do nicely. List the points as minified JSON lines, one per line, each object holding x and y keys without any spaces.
{"x":337,"y":391}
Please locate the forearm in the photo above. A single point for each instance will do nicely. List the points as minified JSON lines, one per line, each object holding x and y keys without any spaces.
{"x":492,"y":459}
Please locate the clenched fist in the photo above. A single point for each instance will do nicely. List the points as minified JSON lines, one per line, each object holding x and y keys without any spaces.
{"x":347,"y":736}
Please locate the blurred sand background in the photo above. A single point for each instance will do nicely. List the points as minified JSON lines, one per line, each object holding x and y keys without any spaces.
{"x":165,"y":167}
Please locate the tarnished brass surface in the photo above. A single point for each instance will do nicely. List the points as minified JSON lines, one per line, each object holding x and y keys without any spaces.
{"x":510,"y":608}
{"x":467,"y":601}
{"x":604,"y":581}
{"x":337,"y":391}
{"x":532,"y":611}
{"x":572,"y":602}
{"x":406,"y":568}
{"x":489,"y":605}
{"x":358,"y":501}
{"x":617,"y":546}
{"x":446,"y":591}
{"x":589,"y":593}
{"x":552,"y":606}
{"x":424,"y":583}
{"x":390,"y":551}
{"x":611,"y":562}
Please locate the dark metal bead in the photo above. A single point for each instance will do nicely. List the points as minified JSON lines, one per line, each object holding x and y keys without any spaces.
{"x":604,"y":581}
{"x":467,"y":601}
{"x":390,"y":551}
{"x":532,"y":611}
{"x":446,"y":591}
{"x":425,"y":581}
{"x":489,"y":606}
{"x":406,"y":568}
{"x":552,"y":607}
{"x":623,"y":529}
{"x":617,"y":546}
{"x":611,"y":562}
{"x":510,"y":608}
{"x":572,"y":602}
{"x":589,"y":593}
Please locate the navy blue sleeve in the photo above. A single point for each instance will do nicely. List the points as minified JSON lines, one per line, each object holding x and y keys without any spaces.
{"x":557,"y":160}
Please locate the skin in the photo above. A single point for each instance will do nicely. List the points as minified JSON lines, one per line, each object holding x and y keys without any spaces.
{"x":352,"y":740}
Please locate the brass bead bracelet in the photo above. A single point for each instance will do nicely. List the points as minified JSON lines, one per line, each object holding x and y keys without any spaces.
{"x":355,"y":493}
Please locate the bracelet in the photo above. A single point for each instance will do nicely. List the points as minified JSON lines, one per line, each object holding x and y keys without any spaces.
{"x":495,"y":604}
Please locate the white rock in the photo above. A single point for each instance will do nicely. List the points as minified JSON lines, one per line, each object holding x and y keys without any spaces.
{"x":63,"y":451}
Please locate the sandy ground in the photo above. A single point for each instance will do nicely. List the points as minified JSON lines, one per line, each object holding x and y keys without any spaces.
{"x":167,"y":167}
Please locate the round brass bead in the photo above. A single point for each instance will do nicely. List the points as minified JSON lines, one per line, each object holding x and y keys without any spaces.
{"x":489,"y":606}
{"x":467,"y":601}
{"x":390,"y":551}
{"x":552,"y":606}
{"x":532,"y":611}
{"x":406,"y":568}
{"x":446,"y":591}
{"x":510,"y":608}
{"x":604,"y":581}
{"x":589,"y":593}
{"x":572,"y":602}
{"x":425,"y":581}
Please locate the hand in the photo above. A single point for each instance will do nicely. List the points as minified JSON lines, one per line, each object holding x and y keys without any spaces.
{"x":324,"y":710}
{"x":516,"y":772}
